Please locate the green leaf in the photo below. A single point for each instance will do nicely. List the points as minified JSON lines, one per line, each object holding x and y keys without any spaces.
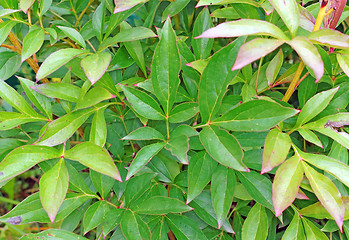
{"x":76,"y":181}
{"x":61,"y":129}
{"x":317,"y":210}
{"x":337,"y":168}
{"x":102,"y":183}
{"x":30,"y":209}
{"x":160,"y":205}
{"x":327,"y":193}
{"x":256,"y":224}
{"x":183,"y":112}
{"x":165,"y":68}
{"x":244,"y":27}
{"x":274,"y":67}
{"x":178,"y":145}
{"x":57,"y":60}
{"x":143,"y":157}
{"x":199,"y":163}
{"x":203,"y":207}
{"x":73,"y":35}
{"x":312,"y":232}
{"x":111,"y":219}
{"x":315,"y":105}
{"x":289,"y":13}
{"x":144,"y":133}
{"x":222,"y":189}
{"x":343,"y":61}
{"x":10,"y":120}
{"x":133,"y":227}
{"x":98,"y":134}
{"x":136,"y":187}
{"x":12,"y":97}
{"x":45,"y":6}
{"x":123,"y":5}
{"x":174,"y":8}
{"x":32,"y":43}
{"x":309,"y":55}
{"x":5,"y":29}
{"x":258,"y":186}
{"x":184,"y":228}
{"x":254,"y":50}
{"x":202,"y":46}
{"x":310,"y":136}
{"x":23,"y":158}
{"x":98,"y":19}
{"x":215,"y":79}
{"x":65,"y":91}
{"x":95,"y":65}
{"x":94,"y":157}
{"x":330,"y":38}
{"x":223,"y":147}
{"x":276,"y":148}
{"x":54,"y":234}
{"x":94,"y":215}
{"x":53,"y":188}
{"x":132,"y":34}
{"x":295,"y":230}
{"x":93,"y":96}
{"x":10,"y":62}
{"x":134,"y":48}
{"x":6,"y":12}
{"x":255,"y":115}
{"x":143,"y":104}
{"x":42,"y":103}
{"x":286,"y":184}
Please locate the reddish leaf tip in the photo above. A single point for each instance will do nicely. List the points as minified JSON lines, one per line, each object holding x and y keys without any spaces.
{"x":52,"y":218}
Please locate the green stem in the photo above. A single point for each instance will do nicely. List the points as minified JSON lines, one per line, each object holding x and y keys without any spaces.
{"x":167,"y":128}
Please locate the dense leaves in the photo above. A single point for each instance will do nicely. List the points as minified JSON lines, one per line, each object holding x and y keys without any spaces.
{"x":149,"y":119}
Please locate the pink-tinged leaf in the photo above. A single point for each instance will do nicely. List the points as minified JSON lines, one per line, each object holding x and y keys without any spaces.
{"x":309,"y":54}
{"x":337,"y":168}
{"x":254,"y":50}
{"x":57,"y":60}
{"x":330,"y":38}
{"x":288,"y":11}
{"x":301,"y":195}
{"x":306,"y":19}
{"x":327,"y":193}
{"x":23,"y":158}
{"x":317,"y":210}
{"x":24,"y":5}
{"x":244,"y":27}
{"x":286,"y":184}
{"x":95,"y":65}
{"x":276,"y":147}
{"x":343,"y":61}
{"x":123,"y":5}
{"x":94,"y":157}
{"x":53,"y":188}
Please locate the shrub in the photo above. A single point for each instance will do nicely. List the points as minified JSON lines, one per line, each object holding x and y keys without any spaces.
{"x":162,"y":120}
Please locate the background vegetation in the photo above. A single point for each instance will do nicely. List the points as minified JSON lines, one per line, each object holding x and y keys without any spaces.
{"x":210,"y":119}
